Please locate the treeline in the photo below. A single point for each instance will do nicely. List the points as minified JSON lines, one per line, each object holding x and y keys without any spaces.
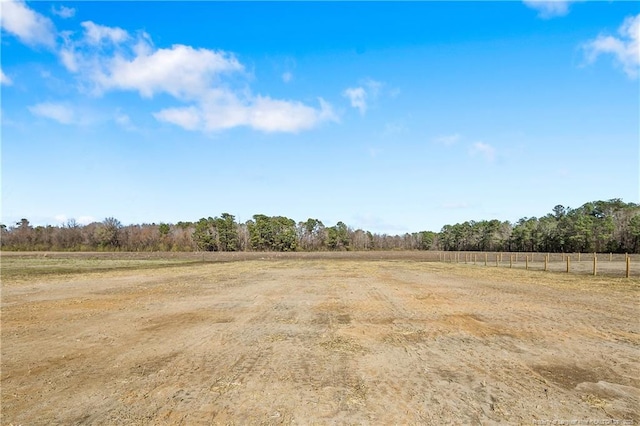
{"x":602,"y":226}
{"x":598,"y":226}
{"x":224,"y":233}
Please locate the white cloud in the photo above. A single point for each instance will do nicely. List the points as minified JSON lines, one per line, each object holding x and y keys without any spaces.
{"x":63,"y":11}
{"x":30,"y":27}
{"x":549,"y":9}
{"x":58,"y":112}
{"x":260,"y":113}
{"x":357,"y":97}
{"x":625,"y":49}
{"x":4,"y":79}
{"x":271,"y":115}
{"x":486,"y":150}
{"x":96,"y":34}
{"x":188,"y":118}
{"x":181,"y":71}
{"x":134,"y":64}
{"x":447,"y":140}
{"x":287,"y":77}
{"x":201,"y":78}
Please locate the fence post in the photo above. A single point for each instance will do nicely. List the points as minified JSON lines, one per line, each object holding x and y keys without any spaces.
{"x":546,"y":262}
{"x":628,"y":266}
{"x":610,"y":256}
{"x":568,"y":263}
{"x":526,"y":261}
{"x":578,"y":256}
{"x":510,"y":261}
{"x":485,"y":259}
{"x":497,"y":260}
{"x":595,"y":264}
{"x":475,"y":257}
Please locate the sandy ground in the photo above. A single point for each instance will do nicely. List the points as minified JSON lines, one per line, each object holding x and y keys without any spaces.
{"x":319,"y":341}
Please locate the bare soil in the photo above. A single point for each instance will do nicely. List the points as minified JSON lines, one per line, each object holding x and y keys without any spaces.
{"x":300,"y":340}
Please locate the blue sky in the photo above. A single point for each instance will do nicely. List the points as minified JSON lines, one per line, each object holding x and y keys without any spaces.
{"x":391,"y":117}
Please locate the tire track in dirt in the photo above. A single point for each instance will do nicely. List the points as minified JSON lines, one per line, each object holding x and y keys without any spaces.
{"x":316,"y":342}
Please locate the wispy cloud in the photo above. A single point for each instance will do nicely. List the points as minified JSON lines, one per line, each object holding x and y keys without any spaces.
{"x":55,"y":111}
{"x":30,"y":27}
{"x":124,"y":121}
{"x":261,"y":113}
{"x":360,"y":96}
{"x":63,"y":11}
{"x":448,"y":140}
{"x":483,"y":149}
{"x":4,"y":79}
{"x":625,"y":49}
{"x":373,"y":87}
{"x":549,"y":9}
{"x":287,"y":77}
{"x":394,"y":128}
{"x":188,"y":118}
{"x":357,"y":97}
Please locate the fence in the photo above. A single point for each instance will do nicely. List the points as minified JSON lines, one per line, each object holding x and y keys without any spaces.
{"x":609,"y":264}
{"x":605,"y":264}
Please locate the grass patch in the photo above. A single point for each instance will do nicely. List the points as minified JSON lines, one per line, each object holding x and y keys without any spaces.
{"x":17,"y":268}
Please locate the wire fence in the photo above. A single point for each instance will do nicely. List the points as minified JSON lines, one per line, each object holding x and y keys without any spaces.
{"x":607,"y":264}
{"x":600,"y":264}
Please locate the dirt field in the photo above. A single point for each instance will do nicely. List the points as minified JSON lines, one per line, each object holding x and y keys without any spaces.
{"x":295,"y":340}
